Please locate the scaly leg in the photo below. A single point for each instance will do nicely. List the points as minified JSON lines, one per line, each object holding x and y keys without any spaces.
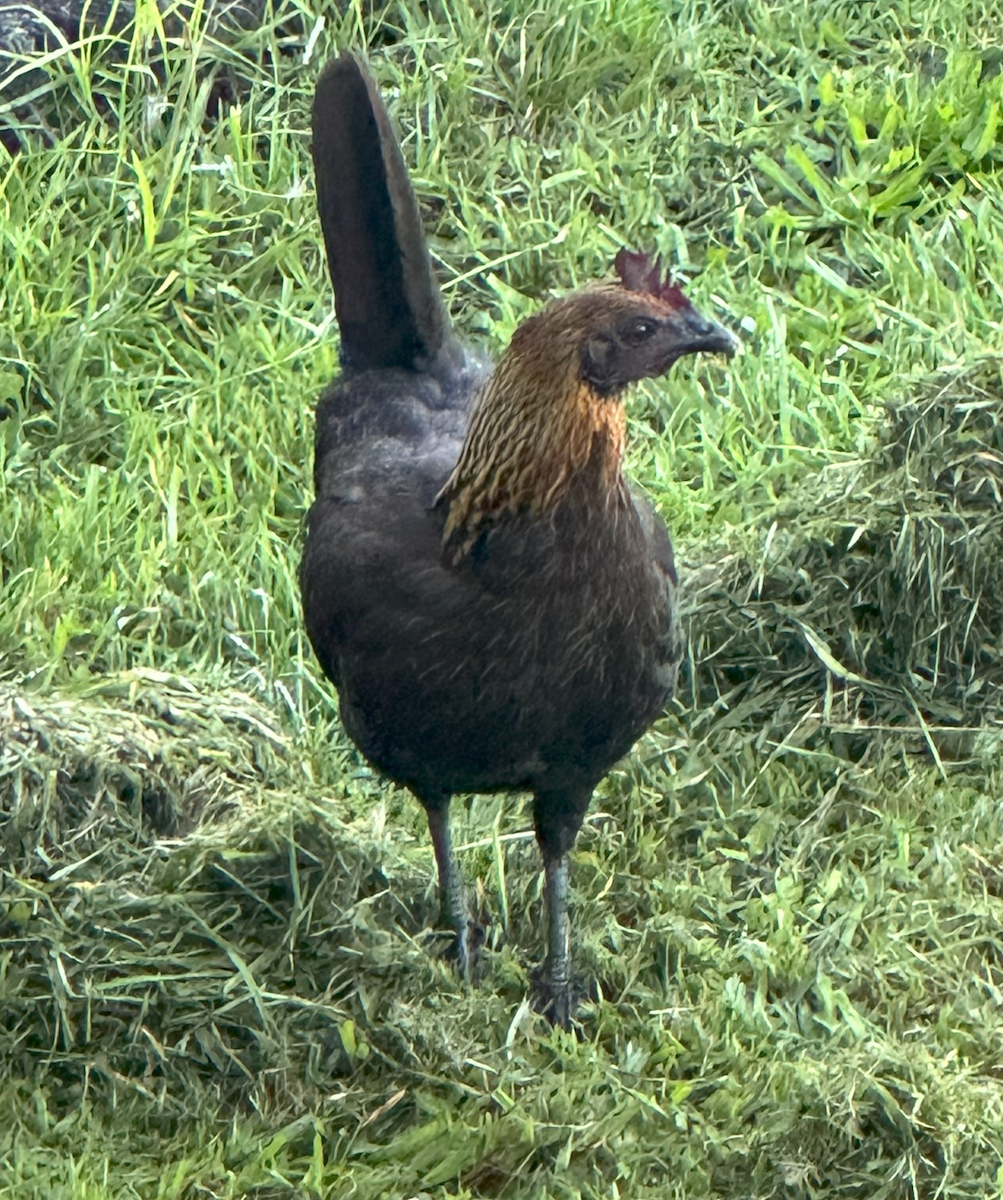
{"x":451,"y":890}
{"x":558,"y":817}
{"x":557,"y":968}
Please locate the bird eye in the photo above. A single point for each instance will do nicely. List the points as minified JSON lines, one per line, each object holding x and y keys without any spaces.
{"x":638,"y":331}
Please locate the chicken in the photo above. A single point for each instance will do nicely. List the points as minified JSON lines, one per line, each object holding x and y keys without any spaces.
{"x":493,"y":603}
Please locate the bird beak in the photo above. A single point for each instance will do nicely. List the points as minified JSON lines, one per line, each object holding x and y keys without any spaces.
{"x":696,"y":333}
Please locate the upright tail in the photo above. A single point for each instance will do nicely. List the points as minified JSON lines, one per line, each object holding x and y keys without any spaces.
{"x":389,"y":309}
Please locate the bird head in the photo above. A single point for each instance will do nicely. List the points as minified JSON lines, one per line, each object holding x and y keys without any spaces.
{"x":638,"y":328}
{"x":552,"y":412}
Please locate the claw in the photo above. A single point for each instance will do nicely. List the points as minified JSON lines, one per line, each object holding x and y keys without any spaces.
{"x":462,"y":946}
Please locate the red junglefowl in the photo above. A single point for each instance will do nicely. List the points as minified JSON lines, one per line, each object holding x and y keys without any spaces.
{"x":494,"y":604}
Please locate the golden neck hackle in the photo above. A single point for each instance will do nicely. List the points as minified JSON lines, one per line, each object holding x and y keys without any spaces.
{"x":536,"y":426}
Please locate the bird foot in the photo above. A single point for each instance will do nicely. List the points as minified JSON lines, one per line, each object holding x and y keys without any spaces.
{"x":558,"y":1002}
{"x":462,"y":948}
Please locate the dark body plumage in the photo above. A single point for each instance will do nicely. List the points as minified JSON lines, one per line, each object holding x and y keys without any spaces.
{"x":490,"y":624}
{"x":534,"y":663}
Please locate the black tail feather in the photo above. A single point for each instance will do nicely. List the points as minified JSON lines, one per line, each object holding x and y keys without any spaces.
{"x":389,"y":309}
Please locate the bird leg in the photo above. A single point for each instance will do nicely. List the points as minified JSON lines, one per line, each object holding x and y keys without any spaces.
{"x":558,"y":817}
{"x":451,"y":890}
{"x":557,"y":968}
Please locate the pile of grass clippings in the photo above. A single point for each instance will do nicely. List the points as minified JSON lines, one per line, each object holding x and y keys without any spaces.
{"x":873,"y":594}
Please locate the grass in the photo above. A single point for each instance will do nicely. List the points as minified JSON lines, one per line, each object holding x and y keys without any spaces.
{"x":215,"y":973}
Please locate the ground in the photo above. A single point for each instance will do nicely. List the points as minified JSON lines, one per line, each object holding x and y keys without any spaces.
{"x":216,"y":975}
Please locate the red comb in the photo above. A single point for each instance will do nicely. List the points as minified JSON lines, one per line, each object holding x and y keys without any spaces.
{"x":642,"y":273}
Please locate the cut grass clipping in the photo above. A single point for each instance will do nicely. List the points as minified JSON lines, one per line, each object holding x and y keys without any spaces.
{"x":216,"y":972}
